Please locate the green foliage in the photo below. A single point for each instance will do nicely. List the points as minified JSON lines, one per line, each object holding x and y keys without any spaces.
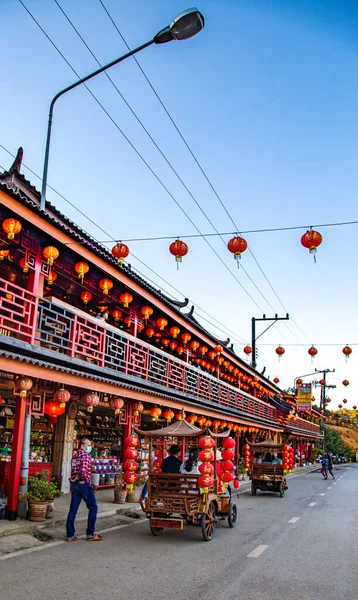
{"x":240,"y":466}
{"x":335,"y":444}
{"x":39,"y":490}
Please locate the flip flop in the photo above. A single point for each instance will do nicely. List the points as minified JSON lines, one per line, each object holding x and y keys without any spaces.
{"x":95,"y":538}
{"x":74,"y":539}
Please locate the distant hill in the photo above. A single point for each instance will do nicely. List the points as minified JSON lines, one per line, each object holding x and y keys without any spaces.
{"x":349,"y":436}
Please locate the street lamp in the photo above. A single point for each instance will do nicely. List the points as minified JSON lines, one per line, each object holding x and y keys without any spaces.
{"x":184,"y":26}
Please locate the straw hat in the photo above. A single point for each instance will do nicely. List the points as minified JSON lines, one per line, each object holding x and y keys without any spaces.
{"x":218,"y":455}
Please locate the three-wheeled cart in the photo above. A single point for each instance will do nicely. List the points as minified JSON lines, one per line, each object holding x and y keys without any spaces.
{"x":266,"y":477}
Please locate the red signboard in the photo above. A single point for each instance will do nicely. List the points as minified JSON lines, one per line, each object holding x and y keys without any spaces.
{"x":167,"y":523}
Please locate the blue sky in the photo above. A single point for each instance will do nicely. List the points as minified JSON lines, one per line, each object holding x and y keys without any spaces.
{"x":266,"y":98}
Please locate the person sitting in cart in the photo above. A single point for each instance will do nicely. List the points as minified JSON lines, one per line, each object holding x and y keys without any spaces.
{"x":172,"y":463}
{"x":257,"y":458}
{"x":268,"y":459}
{"x":190,"y":467}
{"x":277,"y":459}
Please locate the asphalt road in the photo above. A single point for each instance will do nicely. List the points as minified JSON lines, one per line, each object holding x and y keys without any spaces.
{"x":313,"y":557}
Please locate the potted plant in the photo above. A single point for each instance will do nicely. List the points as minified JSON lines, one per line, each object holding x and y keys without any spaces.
{"x":241,"y":472}
{"x":38,"y":496}
{"x":53,"y":493}
{"x":120,"y":491}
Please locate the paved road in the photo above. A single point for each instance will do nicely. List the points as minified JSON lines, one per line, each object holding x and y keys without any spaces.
{"x":313,"y":558}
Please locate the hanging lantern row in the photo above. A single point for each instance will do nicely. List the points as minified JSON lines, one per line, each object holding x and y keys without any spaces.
{"x":288,"y":461}
{"x":130,"y":466}
{"x":206,"y":456}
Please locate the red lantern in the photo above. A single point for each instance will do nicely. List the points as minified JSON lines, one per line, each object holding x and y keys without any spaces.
{"x":174,"y":331}
{"x":173,"y":345}
{"x":91,"y":400}
{"x":168,"y":415}
{"x":146,"y":311}
{"x":178,"y":249}
{"x":130,"y":454}
{"x":130,"y":478}
{"x":276,"y":380}
{"x":54,"y":409}
{"x":180,"y":350}
{"x":206,"y":468}
{"x":203,"y":350}
{"x":117,"y":314}
{"x":218,"y":349}
{"x":347,"y":351}
{"x":51,"y":277}
{"x":228,"y":454}
{"x":299,"y":382}
{"x":162,"y":323}
{"x":228,"y":443}
{"x":116,"y":404}
{"x":86,"y":297}
{"x":186,"y":337}
{"x":130,"y":465}
{"x":206,"y":456}
{"x":126,"y":298}
{"x":137,"y":408}
{"x":194,"y":345}
{"x":155,"y":413}
{"x":237,"y":245}
{"x":354,"y":407}
{"x":120,"y":252}
{"x":226,"y":477}
{"x":4,"y":254}
{"x":180,"y":415}
{"x":206,"y":442}
{"x":105,"y":285}
{"x":191,"y":419}
{"x":340,"y":406}
{"x":165,"y":342}
{"x":81,"y":269}
{"x":311,"y":240}
{"x":132,"y":441}
{"x":345,"y":382}
{"x":128,"y":322}
{"x":345,"y":401}
{"x":51,"y":254}
{"x":140,"y":327}
{"x":11,"y":227}
{"x":247,"y":350}
{"x":150,"y":332}
{"x":157,"y":463}
{"x":201,"y":421}
{"x":62,"y":396}
{"x":23,"y":264}
{"x":312,"y":352}
{"x":236,"y":484}
{"x":23,"y":385}
{"x":205,"y":481}
{"x":280,"y":351}
{"x":227,"y":465}
{"x":216,"y":424}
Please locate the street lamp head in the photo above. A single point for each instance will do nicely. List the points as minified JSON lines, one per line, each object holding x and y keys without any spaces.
{"x":183,"y":27}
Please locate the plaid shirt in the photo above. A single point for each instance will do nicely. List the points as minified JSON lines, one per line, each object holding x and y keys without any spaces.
{"x":81,"y":467}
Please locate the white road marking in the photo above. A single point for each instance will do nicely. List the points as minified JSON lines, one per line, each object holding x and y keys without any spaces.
{"x":329,"y":488}
{"x":312,"y":504}
{"x":60,"y":542}
{"x":322,"y":494}
{"x":257,"y":552}
{"x":293,"y":520}
{"x":335,"y":483}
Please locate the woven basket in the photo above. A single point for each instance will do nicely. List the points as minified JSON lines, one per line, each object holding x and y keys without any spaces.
{"x":37,"y":511}
{"x":120,"y":496}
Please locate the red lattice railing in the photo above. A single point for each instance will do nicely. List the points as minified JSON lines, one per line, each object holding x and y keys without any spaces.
{"x":18,"y":311}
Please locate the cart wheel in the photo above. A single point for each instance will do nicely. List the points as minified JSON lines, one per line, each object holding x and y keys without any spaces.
{"x":253,"y":489}
{"x":282,"y":490}
{"x":207,"y":523}
{"x":156,"y":530}
{"x":232,"y":515}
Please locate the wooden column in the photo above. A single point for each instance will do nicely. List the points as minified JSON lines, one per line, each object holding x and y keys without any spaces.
{"x":63,"y":450}
{"x":14,"y":479}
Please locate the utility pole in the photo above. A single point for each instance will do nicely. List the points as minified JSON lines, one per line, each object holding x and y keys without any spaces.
{"x":253,"y":332}
{"x":323,"y":401}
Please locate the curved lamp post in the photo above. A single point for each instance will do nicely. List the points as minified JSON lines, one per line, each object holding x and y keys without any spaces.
{"x":183,"y":27}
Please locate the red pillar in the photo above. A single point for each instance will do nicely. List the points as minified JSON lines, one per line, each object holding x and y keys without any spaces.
{"x":14,"y":478}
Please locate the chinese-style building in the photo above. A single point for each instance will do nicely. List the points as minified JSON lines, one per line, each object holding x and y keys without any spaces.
{"x":72,"y":318}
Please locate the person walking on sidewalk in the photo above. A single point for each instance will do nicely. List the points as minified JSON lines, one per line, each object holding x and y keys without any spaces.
{"x":82,"y":489}
{"x":330,"y":464}
{"x":324,"y":463}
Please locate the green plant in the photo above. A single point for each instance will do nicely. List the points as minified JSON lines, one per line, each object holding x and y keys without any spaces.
{"x":38,"y":490}
{"x":22,"y":497}
{"x":240,"y":466}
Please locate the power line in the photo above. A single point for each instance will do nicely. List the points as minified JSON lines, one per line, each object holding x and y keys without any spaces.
{"x":198,"y":164}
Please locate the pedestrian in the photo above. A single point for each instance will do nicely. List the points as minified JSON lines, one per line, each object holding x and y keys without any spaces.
{"x":82,"y":489}
{"x":330,"y":464}
{"x":324,"y":463}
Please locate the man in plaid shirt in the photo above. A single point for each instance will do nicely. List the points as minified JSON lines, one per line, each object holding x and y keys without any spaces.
{"x":82,"y":489}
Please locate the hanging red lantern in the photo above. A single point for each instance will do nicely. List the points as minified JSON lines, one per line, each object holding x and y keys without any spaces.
{"x":162,"y":323}
{"x":206,"y":468}
{"x":86,"y":297}
{"x":146,"y":311}
{"x":51,"y":254}
{"x":203,"y":350}
{"x":220,"y":359}
{"x":299,"y":382}
{"x":216,"y":424}
{"x":186,"y":337}
{"x":140,"y":327}
{"x":23,"y":264}
{"x":280,"y":351}
{"x":237,"y":245}
{"x":180,"y":350}
{"x":180,"y":415}
{"x":155,"y":413}
{"x":117,"y":314}
{"x":116,"y":404}
{"x":54,"y":409}
{"x":105,"y":285}
{"x":311,"y":240}
{"x":194,"y":345}
{"x":81,"y":269}
{"x":23,"y":385}
{"x":276,"y":380}
{"x":178,"y":249}
{"x":4,"y":254}
{"x":201,"y":421}
{"x":212,"y":354}
{"x":354,"y":407}
{"x":247,"y":350}
{"x":206,"y":442}
{"x":51,"y":277}
{"x":168,"y":415}
{"x":328,"y":400}
{"x":218,"y":349}
{"x":228,"y":454}
{"x":62,"y":396}
{"x":132,"y":441}
{"x":120,"y":252}
{"x":126,"y":298}
{"x":322,"y":382}
{"x":347,"y":351}
{"x":345,"y":382}
{"x":128,"y":321}
{"x":340,"y":406}
{"x":91,"y":400}
{"x":130,"y":466}
{"x":345,"y":401}
{"x":312,"y":352}
{"x":191,"y":419}
{"x":228,"y":443}
{"x":165,"y":342}
{"x":205,"y":482}
{"x":174,"y":331}
{"x":11,"y":227}
{"x":130,"y":454}
{"x":150,"y":332}
{"x":173,"y":345}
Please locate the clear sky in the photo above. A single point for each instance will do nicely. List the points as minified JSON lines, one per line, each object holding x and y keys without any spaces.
{"x":266,"y":97}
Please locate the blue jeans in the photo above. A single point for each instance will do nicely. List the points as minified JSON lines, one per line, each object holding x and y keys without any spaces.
{"x":82,"y":491}
{"x":144,"y":493}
